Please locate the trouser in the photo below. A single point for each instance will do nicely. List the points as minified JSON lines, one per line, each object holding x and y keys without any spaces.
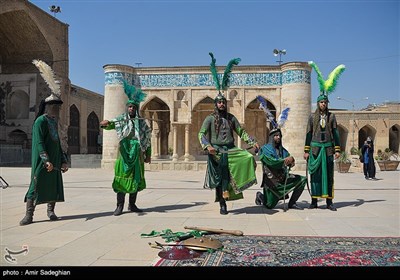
{"x":222,"y":202}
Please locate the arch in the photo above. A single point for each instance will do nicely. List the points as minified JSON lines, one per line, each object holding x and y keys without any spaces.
{"x":233,"y":94}
{"x":18,"y":137}
{"x":343,"y":136}
{"x":394,"y":138}
{"x":28,"y":37}
{"x":158,"y":113}
{"x":18,"y":105}
{"x":364,"y":132}
{"x":202,"y":109}
{"x":93,"y":132}
{"x":206,"y":99}
{"x":180,"y":95}
{"x":73,"y":130}
{"x":256,"y":122}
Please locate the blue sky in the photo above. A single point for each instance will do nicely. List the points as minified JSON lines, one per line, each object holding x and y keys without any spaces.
{"x":363,"y":35}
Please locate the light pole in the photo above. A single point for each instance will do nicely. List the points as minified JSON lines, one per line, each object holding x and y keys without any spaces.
{"x":277,"y":52}
{"x":55,"y":9}
{"x":352,"y":115}
{"x":138,"y":64}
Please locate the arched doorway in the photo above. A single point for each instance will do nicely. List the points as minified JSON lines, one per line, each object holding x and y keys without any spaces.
{"x":364,"y":132}
{"x":343,"y":136}
{"x":158,"y":114}
{"x":256,"y":123}
{"x":18,"y":105}
{"x":18,"y":137}
{"x":93,"y":132}
{"x":73,"y":131}
{"x":200,"y":111}
{"x":394,"y":138}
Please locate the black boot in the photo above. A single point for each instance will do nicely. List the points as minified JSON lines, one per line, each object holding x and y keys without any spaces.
{"x":222,"y":204}
{"x":120,"y":204}
{"x":313,"y":203}
{"x":30,"y":208}
{"x":259,"y":198}
{"x":329,"y":205}
{"x":50,"y":211}
{"x":132,"y":203}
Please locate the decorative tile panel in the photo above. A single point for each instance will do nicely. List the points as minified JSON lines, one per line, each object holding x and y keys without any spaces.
{"x":201,"y":80}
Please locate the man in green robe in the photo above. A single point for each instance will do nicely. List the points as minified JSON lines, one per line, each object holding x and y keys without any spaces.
{"x":230,"y":170}
{"x":322,"y":145}
{"x":277,"y":181}
{"x":134,"y":150}
{"x":48,"y":161}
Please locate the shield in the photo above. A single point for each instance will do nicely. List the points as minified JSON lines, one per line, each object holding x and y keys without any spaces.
{"x":202,"y":243}
{"x":178,"y":253}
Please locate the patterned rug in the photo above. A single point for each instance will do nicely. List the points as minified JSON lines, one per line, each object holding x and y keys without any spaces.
{"x":296,"y":251}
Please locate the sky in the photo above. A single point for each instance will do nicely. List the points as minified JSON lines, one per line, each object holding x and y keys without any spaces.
{"x":362,"y":35}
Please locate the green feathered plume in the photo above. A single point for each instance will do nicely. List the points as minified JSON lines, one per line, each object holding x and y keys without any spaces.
{"x":214,"y":73}
{"x":329,"y":85}
{"x":331,"y":82}
{"x":227,"y":73}
{"x":135,"y":95}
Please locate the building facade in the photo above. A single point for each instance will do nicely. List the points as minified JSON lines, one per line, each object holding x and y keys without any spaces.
{"x":178,"y":100}
{"x":27,"y":33}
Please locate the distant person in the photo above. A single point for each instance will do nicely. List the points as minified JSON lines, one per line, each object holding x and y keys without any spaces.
{"x":322,"y":144}
{"x":276,"y":160}
{"x":367,"y":152}
{"x":48,"y":158}
{"x":230,"y":170}
{"x":134,"y":150}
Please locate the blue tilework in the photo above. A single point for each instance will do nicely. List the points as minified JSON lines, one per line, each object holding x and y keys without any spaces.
{"x":201,"y":80}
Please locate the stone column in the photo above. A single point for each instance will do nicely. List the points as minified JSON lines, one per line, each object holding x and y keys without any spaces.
{"x":83,"y":127}
{"x":155,"y":143}
{"x":175,"y":142}
{"x":114,"y":105}
{"x":296,"y":94}
{"x":187,"y":134}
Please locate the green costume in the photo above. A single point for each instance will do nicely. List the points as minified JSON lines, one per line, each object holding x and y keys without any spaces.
{"x":134,"y":150}
{"x":234,"y":168}
{"x":134,"y":146}
{"x":231,"y":170}
{"x":322,"y":140}
{"x":48,"y":157}
{"x":277,"y":181}
{"x":46,"y":186}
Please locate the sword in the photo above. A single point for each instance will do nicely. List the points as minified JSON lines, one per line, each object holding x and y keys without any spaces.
{"x":235,"y":150}
{"x":3,"y":183}
{"x":125,"y":120}
{"x":59,"y":169}
{"x":216,"y":230}
{"x":284,"y":188}
{"x":308,"y":186}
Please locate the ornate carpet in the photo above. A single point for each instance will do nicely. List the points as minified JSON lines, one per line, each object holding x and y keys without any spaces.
{"x":295,"y":251}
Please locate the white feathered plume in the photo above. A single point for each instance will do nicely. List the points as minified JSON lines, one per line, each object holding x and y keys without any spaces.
{"x":283,"y":117}
{"x":263,"y":106}
{"x":50,"y":78}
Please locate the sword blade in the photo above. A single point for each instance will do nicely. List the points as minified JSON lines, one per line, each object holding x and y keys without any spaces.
{"x":125,"y":120}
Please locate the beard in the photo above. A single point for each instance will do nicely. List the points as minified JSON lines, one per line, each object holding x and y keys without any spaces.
{"x":221,"y":110}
